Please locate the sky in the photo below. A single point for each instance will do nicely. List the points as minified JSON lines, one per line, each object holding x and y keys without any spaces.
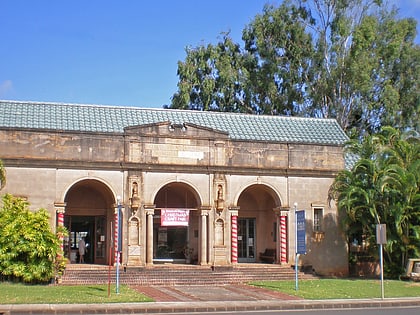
{"x":114,"y":52}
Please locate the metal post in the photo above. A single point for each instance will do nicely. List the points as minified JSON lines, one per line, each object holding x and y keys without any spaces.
{"x":382,"y":269}
{"x":118,"y":249}
{"x":110,"y":260}
{"x":296,"y":253}
{"x":380,"y":240}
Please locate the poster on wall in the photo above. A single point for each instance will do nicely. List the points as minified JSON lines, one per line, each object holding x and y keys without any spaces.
{"x":174,"y":217}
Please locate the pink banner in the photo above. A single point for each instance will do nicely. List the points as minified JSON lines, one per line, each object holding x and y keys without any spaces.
{"x":174,"y":217}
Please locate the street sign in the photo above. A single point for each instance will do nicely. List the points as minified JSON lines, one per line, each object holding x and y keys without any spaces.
{"x":381,"y":234}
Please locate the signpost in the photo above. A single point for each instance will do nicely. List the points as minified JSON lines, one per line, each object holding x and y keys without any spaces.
{"x":381,"y":239}
{"x":300,"y":240}
{"x":111,"y":242}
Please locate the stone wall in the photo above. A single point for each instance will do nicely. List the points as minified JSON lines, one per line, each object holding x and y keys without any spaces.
{"x":42,"y":165}
{"x":195,"y":148}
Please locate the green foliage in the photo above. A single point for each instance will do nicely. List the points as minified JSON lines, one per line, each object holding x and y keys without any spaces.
{"x":28,"y":247}
{"x":211,"y":78}
{"x":383,"y":187}
{"x":18,"y":293}
{"x":321,"y":289}
{"x":349,"y":60}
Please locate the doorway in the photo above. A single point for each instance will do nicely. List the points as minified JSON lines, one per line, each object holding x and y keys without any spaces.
{"x":257,"y":221}
{"x":92,"y":230}
{"x":89,"y":214}
{"x":246,"y":240}
{"x":176,"y":224}
{"x":171,"y":242}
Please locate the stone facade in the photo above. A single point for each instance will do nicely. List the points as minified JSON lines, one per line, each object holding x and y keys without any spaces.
{"x":239,"y":195}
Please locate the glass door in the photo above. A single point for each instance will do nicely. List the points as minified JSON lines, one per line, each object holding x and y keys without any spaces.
{"x":100,"y":240}
{"x":246,"y":240}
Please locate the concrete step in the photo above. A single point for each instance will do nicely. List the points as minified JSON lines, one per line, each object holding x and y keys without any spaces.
{"x":178,"y":274}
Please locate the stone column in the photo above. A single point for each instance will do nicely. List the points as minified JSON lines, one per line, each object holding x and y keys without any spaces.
{"x":234,"y":235}
{"x":150,"y":211}
{"x":115,"y":234}
{"x":203,"y":236}
{"x":60,"y":208}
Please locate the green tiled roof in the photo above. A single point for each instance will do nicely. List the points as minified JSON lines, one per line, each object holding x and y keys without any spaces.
{"x":113,"y":119}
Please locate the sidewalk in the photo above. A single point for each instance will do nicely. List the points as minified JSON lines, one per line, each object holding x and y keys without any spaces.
{"x":190,"y":307}
{"x":189,"y":299}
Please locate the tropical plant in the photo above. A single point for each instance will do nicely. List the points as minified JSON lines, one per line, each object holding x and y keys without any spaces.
{"x":383,"y":188}
{"x":28,"y":247}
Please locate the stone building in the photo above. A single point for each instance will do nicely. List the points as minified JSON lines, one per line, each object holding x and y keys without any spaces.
{"x":194,"y":187}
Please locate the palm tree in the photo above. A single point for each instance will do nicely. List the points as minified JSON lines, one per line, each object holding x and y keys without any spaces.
{"x":400,"y":184}
{"x":383,"y":187}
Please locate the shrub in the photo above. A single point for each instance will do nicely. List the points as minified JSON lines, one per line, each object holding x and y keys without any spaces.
{"x":28,"y":247}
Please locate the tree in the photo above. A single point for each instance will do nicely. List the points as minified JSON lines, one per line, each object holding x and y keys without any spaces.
{"x":400,"y":181}
{"x":211,"y":78}
{"x":28,"y":248}
{"x":349,"y":60}
{"x":383,"y":188}
{"x":282,"y":53}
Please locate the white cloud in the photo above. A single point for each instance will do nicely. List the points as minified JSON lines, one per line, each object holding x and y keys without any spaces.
{"x":6,"y":87}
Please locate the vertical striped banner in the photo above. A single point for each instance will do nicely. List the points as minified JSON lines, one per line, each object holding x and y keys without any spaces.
{"x":60,"y":221}
{"x":283,"y":240}
{"x":116,"y":227}
{"x":234,"y":239}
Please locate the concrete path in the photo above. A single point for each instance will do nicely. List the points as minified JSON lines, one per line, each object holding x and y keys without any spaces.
{"x":190,"y":299}
{"x":237,"y":292}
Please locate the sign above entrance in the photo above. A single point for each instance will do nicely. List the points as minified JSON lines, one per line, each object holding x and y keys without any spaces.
{"x":174,"y":217}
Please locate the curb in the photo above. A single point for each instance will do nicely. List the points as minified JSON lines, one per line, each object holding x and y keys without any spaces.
{"x":191,"y":307}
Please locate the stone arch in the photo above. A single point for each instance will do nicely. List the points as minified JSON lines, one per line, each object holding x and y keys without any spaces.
{"x":192,"y":199}
{"x":97,"y":182}
{"x":266,"y":189}
{"x":89,"y":212}
{"x":174,"y":241}
{"x":257,"y":222}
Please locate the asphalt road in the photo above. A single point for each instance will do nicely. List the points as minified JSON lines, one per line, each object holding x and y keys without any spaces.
{"x":362,"y":311}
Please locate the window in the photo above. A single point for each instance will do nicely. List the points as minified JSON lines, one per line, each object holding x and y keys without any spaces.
{"x":318,"y":215}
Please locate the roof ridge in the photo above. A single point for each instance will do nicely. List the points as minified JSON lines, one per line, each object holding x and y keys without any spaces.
{"x":113,"y":118}
{"x":163,"y":109}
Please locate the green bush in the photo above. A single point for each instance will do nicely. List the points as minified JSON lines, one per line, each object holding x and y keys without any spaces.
{"x":28,"y":247}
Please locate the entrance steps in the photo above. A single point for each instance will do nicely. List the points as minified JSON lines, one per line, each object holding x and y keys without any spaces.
{"x":174,"y":274}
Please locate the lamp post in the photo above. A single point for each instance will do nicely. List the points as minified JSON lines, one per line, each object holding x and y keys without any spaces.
{"x":118,"y":236}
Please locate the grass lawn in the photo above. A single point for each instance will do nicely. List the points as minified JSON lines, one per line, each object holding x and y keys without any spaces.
{"x":16,"y":293}
{"x":343,"y":288}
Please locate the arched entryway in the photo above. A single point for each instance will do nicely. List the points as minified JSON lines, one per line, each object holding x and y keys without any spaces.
{"x":257,"y":222}
{"x":89,"y":213}
{"x":176,"y":224}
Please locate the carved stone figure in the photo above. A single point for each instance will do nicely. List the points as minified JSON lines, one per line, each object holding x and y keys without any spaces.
{"x":135,"y":200}
{"x":220,"y":203}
